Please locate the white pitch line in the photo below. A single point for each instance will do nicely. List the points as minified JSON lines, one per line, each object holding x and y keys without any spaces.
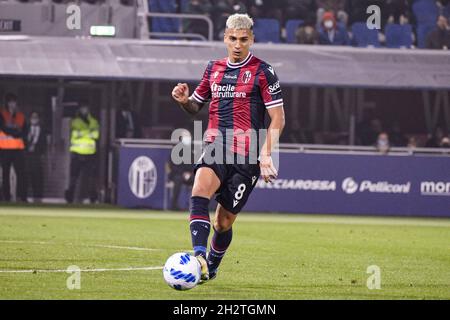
{"x":83,"y":270}
{"x":121,"y":247}
{"x":81,"y":245}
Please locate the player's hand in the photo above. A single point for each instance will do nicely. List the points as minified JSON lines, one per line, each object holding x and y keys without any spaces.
{"x":268,"y":171}
{"x":181,"y":93}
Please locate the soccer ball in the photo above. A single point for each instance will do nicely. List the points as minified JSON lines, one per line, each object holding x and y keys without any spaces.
{"x":182,"y":271}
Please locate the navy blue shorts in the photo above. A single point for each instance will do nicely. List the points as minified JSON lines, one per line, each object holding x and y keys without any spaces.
{"x":236,"y":183}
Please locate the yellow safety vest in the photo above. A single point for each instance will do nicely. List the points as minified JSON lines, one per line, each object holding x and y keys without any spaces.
{"x":84,"y":135}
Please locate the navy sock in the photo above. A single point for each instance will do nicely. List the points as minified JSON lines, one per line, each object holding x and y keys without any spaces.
{"x":200,"y":224}
{"x":219,"y":245}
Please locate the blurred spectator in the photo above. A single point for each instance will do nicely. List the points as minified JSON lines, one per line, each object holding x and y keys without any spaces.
{"x":181,"y":174}
{"x":444,"y":7}
{"x":383,"y":145}
{"x":203,"y":7}
{"x":396,"y":137}
{"x":412,"y":143}
{"x":127,"y":123}
{"x":439,"y":38}
{"x":85,"y":132}
{"x":398,"y":11}
{"x":301,"y":9}
{"x":330,"y":33}
{"x":368,"y":131}
{"x":222,"y":10}
{"x":445,"y":142}
{"x":266,"y":9}
{"x":307,"y":34}
{"x":12,"y":146}
{"x":336,"y":6}
{"x":35,"y":148}
{"x":435,"y":139}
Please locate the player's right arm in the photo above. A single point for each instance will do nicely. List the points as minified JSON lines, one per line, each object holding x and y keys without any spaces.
{"x":181,"y":95}
{"x":201,"y":95}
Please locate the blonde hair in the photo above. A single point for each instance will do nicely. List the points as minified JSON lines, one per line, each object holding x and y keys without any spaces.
{"x":239,"y":21}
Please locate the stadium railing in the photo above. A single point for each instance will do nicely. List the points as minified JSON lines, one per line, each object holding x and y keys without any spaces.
{"x":179,"y":16}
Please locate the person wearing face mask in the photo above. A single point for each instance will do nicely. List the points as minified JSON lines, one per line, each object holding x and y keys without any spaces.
{"x":330,"y":33}
{"x":181,"y":174}
{"x":35,"y":147}
{"x":12,"y":146}
{"x":85,"y":132}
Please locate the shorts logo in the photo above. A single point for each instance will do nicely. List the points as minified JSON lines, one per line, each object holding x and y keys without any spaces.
{"x":142,"y":177}
{"x":247,"y":77}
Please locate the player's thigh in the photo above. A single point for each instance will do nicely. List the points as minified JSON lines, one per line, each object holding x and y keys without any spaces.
{"x":236,"y":190}
{"x":206,"y":183}
{"x":224,"y":219}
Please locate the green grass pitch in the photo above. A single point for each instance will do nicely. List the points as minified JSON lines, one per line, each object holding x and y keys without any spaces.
{"x":271,"y":257}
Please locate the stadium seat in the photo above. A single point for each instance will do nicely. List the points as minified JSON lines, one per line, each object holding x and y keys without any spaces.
{"x":423,"y":29}
{"x":291,"y":27}
{"x":426,"y":11}
{"x":398,"y":36}
{"x":267,"y":30}
{"x":364,"y":37}
{"x":184,"y":5}
{"x":164,"y":24}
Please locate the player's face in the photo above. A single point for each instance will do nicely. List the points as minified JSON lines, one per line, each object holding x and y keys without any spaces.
{"x":238,"y":43}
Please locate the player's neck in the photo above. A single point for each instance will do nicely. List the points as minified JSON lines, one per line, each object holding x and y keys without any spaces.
{"x":232,"y":60}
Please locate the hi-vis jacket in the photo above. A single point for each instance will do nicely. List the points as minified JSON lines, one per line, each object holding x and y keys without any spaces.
{"x":16,"y":123}
{"x":84,"y":135}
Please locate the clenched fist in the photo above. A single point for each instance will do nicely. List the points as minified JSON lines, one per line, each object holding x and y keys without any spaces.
{"x":181,"y":93}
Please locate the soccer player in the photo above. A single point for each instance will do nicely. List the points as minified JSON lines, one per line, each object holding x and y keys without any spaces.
{"x":241,"y":88}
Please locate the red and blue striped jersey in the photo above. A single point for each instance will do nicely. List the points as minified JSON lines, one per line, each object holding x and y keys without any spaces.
{"x":239,"y":95}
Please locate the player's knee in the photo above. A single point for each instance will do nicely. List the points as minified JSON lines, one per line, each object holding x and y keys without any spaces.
{"x":222,"y":225}
{"x":201,"y":191}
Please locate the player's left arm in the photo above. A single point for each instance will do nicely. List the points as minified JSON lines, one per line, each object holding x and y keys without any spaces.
{"x":270,"y":90}
{"x":277,"y":123}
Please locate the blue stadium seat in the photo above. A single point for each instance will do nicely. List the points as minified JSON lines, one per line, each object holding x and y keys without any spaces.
{"x":364,"y":37}
{"x":426,"y":11}
{"x":398,"y":36}
{"x":291,"y":27}
{"x":164,"y":24}
{"x":423,"y":29}
{"x":184,"y":5}
{"x":267,"y":30}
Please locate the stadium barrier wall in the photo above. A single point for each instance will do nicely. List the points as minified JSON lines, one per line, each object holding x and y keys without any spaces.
{"x":398,"y":185}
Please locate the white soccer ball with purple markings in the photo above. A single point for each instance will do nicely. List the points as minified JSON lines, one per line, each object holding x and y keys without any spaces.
{"x":182,"y":271}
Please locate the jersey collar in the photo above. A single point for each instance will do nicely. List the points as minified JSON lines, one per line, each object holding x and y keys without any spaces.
{"x":239,"y":64}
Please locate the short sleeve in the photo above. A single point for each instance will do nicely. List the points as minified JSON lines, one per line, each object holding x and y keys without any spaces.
{"x":270,"y":88}
{"x":202,"y":93}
